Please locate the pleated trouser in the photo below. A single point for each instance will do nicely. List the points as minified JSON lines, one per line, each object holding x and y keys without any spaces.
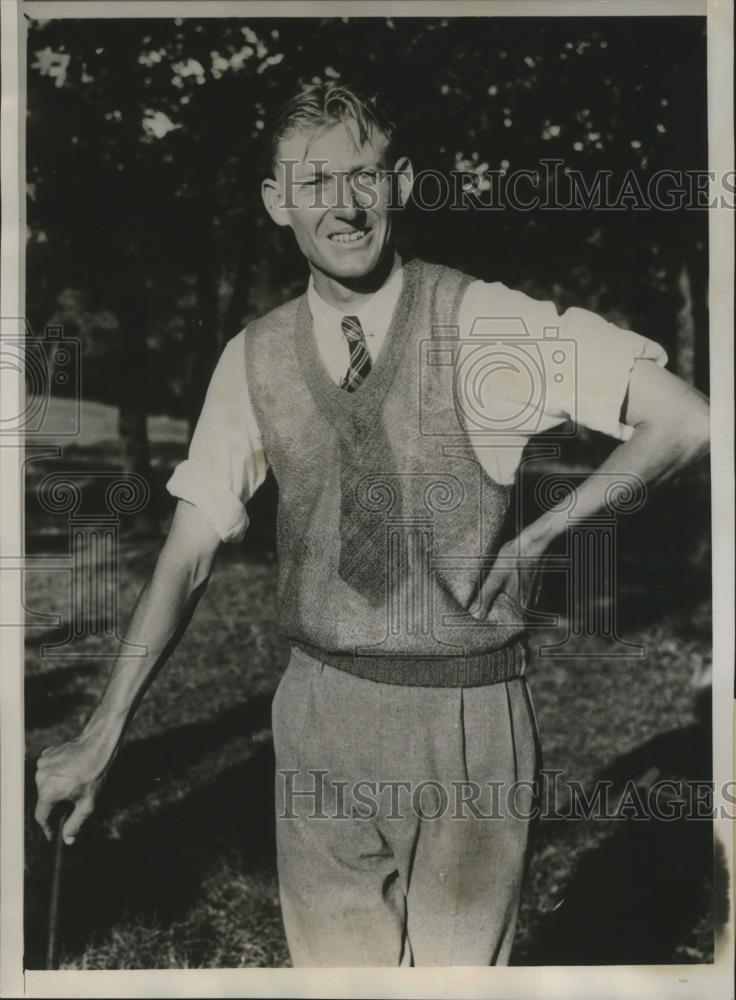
{"x":427,"y":867}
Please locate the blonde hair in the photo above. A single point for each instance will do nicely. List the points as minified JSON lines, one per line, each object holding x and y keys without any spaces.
{"x":322,"y":105}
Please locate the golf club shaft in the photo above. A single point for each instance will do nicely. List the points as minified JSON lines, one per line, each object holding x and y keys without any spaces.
{"x":52,"y":949}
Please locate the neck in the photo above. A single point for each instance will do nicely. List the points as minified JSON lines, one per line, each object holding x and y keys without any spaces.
{"x":352,"y":293}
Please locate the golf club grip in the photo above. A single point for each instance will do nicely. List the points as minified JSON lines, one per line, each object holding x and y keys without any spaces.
{"x":52,"y":947}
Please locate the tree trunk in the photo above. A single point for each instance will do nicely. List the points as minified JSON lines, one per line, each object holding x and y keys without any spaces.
{"x":133,"y":429}
{"x":237,"y":302}
{"x":692,"y":355}
{"x":206,"y":323}
{"x":698,"y":270}
{"x":685,"y":347}
{"x":132,"y":397}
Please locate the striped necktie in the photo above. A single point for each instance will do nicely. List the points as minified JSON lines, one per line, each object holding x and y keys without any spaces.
{"x":364,"y":452}
{"x":360,"y":359}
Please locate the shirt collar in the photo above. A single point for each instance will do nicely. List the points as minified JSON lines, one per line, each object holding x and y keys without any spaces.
{"x":374,"y":315}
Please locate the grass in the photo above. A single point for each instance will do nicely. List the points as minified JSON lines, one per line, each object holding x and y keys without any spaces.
{"x":178,"y":868}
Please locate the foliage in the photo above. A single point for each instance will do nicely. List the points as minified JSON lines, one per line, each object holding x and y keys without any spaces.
{"x":144,"y":162}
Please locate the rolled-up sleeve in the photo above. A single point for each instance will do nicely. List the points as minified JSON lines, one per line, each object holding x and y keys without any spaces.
{"x":606,"y":355}
{"x":226,"y":462}
{"x":581,"y":362}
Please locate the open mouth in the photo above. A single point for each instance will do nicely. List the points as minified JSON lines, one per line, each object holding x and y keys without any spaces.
{"x":349,"y":236}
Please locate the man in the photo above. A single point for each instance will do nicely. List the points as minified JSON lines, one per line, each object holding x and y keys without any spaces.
{"x":403,"y":608}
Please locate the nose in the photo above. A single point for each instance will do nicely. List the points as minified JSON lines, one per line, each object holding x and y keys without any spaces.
{"x":349,"y":205}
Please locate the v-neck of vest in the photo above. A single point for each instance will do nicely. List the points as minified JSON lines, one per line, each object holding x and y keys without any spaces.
{"x":332,"y":399}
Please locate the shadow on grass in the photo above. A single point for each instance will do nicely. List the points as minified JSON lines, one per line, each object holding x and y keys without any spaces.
{"x":142,"y":764}
{"x":51,"y":696}
{"x":634,"y":898}
{"x":157,"y":868}
{"x":631,"y":899}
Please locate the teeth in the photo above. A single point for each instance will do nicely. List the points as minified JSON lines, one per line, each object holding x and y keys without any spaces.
{"x":348,"y":237}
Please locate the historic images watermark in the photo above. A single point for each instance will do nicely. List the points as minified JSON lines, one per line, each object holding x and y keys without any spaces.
{"x":458,"y":398}
{"x":48,"y":365}
{"x":481,"y":391}
{"x":552,"y":185}
{"x":465,"y":368}
{"x":49,"y":414}
{"x":307,"y":794}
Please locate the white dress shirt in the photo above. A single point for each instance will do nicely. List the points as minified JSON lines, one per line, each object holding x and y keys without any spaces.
{"x":375,"y":319}
{"x":227,"y":462}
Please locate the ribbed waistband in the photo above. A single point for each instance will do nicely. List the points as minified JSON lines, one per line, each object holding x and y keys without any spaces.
{"x":489,"y":667}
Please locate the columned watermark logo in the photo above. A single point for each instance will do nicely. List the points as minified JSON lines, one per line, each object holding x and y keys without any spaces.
{"x":45,"y":413}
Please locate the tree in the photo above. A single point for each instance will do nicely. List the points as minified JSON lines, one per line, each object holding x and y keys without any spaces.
{"x":144,"y":167}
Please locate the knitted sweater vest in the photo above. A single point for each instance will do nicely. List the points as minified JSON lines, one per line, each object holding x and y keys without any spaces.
{"x":386,"y":519}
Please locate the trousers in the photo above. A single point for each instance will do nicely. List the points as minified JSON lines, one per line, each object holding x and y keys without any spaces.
{"x":403,"y":817}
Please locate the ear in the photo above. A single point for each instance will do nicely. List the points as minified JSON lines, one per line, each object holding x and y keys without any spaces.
{"x":404,"y":173}
{"x":274,"y":202}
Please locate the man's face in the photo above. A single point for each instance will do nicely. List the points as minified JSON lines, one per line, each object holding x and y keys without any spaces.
{"x":335,"y":195}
